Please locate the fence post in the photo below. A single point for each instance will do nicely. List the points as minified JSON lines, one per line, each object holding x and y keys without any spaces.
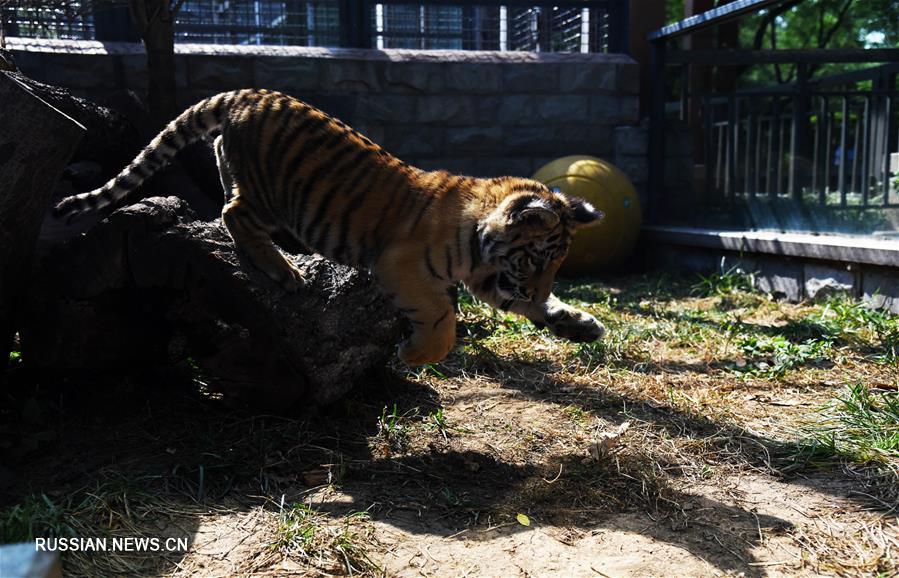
{"x":619,"y":26}
{"x":799,"y":147}
{"x":656,"y":181}
{"x":355,"y":23}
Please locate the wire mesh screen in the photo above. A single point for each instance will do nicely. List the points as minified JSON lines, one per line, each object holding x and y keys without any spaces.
{"x":544,"y":28}
{"x":62,"y":20}
{"x":434,"y":24}
{"x":293,"y":22}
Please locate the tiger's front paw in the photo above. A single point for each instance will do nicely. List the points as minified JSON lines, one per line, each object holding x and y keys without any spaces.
{"x":576,"y":325}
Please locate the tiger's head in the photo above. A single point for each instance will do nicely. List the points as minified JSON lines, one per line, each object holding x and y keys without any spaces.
{"x":526,"y":237}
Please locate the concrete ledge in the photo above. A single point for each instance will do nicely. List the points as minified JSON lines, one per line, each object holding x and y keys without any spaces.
{"x":392,"y":55}
{"x":824,"y":247}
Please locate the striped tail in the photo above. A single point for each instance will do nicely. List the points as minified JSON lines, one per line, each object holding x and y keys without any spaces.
{"x":191,"y":125}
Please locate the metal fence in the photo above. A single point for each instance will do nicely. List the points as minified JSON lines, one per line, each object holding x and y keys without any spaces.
{"x":560,"y":26}
{"x":301,"y":23}
{"x":827,"y":144}
{"x":67,"y":20}
{"x":547,"y":28}
{"x":811,"y":145}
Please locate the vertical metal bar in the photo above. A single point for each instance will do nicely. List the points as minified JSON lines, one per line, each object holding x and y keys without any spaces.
{"x":770,"y":188}
{"x":793,"y":168}
{"x":706,"y":113}
{"x":733,"y":138}
{"x":618,"y":16}
{"x":656,"y":127}
{"x":719,"y":157}
{"x":828,"y":153}
{"x":822,"y":159}
{"x":757,"y":181}
{"x":856,"y":141}
{"x":866,"y":157}
{"x":750,"y":149}
{"x":799,"y":135}
{"x":355,"y":23}
{"x":778,"y":148}
{"x":544,"y":28}
{"x":841,"y":178}
{"x":888,"y":114}
{"x":816,"y":152}
{"x":684,"y":92}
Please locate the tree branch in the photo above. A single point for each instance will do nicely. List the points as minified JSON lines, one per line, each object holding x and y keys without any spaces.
{"x":769,"y":19}
{"x":840,"y":17}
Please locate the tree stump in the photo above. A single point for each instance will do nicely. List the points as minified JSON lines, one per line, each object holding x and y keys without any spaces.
{"x":36,"y":142}
{"x":151,"y":282}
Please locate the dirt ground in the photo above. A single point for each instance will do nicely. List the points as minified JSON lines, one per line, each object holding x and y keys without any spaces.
{"x":673,"y":449}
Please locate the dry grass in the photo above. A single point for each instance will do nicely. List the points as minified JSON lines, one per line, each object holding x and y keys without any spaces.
{"x":716,"y":382}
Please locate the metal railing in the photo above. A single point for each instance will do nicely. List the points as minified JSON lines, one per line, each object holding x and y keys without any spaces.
{"x":812,"y":144}
{"x":559,"y":26}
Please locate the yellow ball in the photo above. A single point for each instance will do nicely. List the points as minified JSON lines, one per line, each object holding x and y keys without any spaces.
{"x":607,"y":244}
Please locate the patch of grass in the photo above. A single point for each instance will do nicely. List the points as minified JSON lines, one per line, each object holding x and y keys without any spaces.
{"x":334,"y":547}
{"x":393,"y":429}
{"x":577,"y":415}
{"x":480,"y":321}
{"x":586,"y":292}
{"x":117,"y":507}
{"x":592,"y":355}
{"x":36,"y":516}
{"x":853,"y":321}
{"x":436,"y":421}
{"x":862,"y":427}
{"x":862,"y":424}
{"x":772,"y":357}
{"x":724,"y":282}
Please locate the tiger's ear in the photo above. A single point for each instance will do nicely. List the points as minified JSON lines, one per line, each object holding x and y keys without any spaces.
{"x":536,"y":214}
{"x":584,"y":213}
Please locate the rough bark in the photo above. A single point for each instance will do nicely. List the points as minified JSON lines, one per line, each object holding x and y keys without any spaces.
{"x":36,"y":142}
{"x":151,"y":283}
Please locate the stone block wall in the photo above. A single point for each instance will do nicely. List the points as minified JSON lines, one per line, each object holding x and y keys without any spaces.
{"x":480,"y":113}
{"x":790,"y":278}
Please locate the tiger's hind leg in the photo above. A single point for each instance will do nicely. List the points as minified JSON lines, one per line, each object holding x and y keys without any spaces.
{"x":256,"y":242}
{"x":224,"y":169}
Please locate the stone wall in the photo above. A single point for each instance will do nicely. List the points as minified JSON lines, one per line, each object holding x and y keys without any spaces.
{"x":791,"y":278}
{"x":481,"y":113}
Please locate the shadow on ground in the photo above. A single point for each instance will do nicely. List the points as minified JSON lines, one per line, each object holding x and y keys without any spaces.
{"x":167,"y":443}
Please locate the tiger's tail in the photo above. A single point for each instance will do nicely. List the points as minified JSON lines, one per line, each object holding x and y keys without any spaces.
{"x":190,"y":126}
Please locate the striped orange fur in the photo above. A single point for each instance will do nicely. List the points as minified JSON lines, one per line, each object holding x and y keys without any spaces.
{"x":289,"y":168}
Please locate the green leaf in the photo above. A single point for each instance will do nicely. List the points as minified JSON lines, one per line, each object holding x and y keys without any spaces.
{"x":523,"y":520}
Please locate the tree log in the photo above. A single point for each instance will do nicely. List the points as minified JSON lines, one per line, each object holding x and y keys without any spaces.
{"x":111,"y":140}
{"x":151,"y":282}
{"x":36,"y":142}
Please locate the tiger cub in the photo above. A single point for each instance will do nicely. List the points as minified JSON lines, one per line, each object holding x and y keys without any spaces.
{"x":287,"y":167}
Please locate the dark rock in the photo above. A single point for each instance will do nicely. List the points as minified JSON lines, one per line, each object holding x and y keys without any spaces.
{"x":151,"y":280}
